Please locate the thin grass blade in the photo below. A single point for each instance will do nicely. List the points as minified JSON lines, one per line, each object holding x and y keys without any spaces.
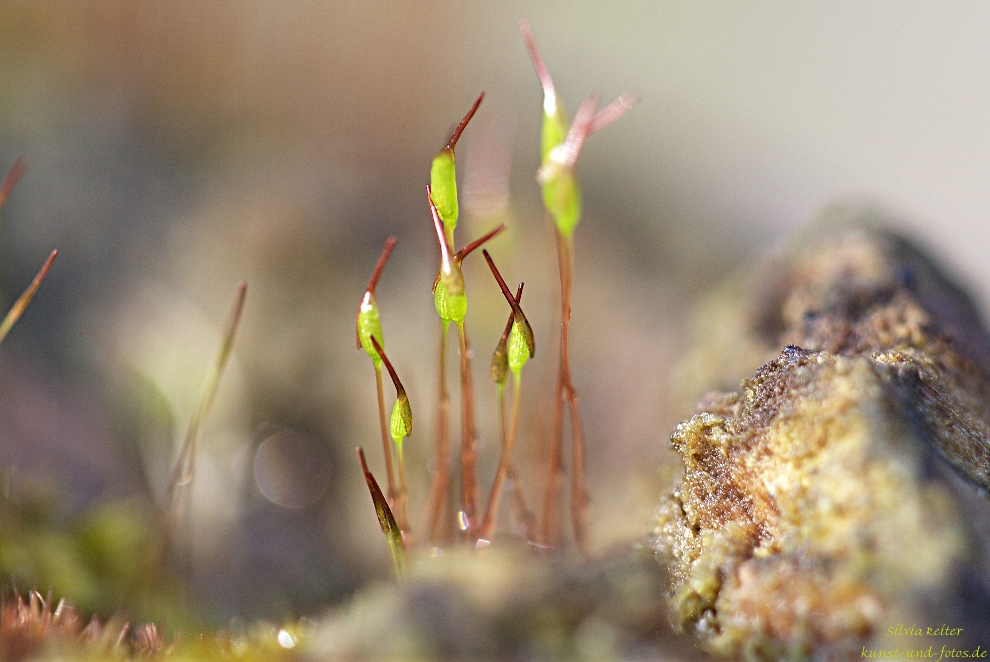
{"x":182,"y":473}
{"x":11,"y":178}
{"x":22,"y":302}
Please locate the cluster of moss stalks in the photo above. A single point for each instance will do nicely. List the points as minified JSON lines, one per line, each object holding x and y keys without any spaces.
{"x":142,"y":562}
{"x":462,"y":517}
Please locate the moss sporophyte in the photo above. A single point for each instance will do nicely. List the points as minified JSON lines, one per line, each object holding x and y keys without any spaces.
{"x":560,"y":147}
{"x":370,"y":338}
{"x":469,"y":520}
{"x":451,"y":304}
{"x":443,"y":177}
{"x":559,"y":151}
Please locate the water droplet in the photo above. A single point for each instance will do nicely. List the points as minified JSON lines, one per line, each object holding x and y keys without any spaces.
{"x":463,"y":522}
{"x":482,"y":543}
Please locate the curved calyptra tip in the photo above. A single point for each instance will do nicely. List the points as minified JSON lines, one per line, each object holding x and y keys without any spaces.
{"x":366,"y":322}
{"x":586,"y":122}
{"x":443,"y":178}
{"x":401,"y":424}
{"x":464,"y":122}
{"x":565,"y":152}
{"x":554,"y":119}
{"x":364,"y":463}
{"x":517,"y":313}
{"x":565,"y":155}
{"x":382,"y":259}
{"x":613,"y":111}
{"x":546,"y":81}
{"x":501,"y":282}
{"x":388,"y":366}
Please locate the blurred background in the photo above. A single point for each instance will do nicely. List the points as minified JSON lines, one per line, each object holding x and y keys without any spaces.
{"x":176,"y":148}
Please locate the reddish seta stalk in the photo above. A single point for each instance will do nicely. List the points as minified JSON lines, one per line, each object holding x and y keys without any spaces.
{"x":565,"y":392}
{"x":437,"y":513}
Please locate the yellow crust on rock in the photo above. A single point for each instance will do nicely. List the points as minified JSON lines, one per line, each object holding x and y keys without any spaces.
{"x":834,"y":491}
{"x":799,"y":500}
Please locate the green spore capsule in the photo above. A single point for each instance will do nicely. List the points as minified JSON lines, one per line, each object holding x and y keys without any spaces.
{"x":500,"y":362}
{"x":561,"y":193}
{"x":500,"y":357}
{"x":443,"y":181}
{"x":554,"y":128}
{"x":450,"y":307}
{"x":369,"y":326}
{"x":443,"y":177}
{"x":367,"y":322}
{"x":400,"y":424}
{"x":519,"y":347}
{"x":561,"y":196}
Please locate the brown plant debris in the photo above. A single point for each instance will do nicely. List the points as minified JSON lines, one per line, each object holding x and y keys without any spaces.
{"x":29,"y":627}
{"x":842,"y":489}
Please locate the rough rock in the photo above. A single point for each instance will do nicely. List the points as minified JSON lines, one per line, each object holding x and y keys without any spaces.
{"x":841,"y":491}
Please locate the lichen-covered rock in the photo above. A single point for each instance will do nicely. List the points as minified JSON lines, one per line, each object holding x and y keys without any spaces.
{"x":842,"y":490}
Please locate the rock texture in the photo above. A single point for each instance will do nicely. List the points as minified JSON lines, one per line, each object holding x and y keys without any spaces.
{"x":841,"y":491}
